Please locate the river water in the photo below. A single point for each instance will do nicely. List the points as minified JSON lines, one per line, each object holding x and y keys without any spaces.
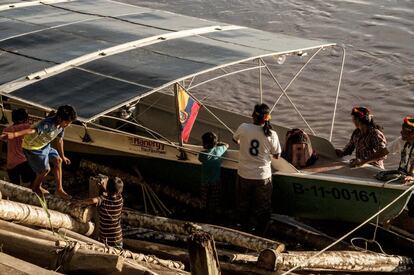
{"x":379,"y":39}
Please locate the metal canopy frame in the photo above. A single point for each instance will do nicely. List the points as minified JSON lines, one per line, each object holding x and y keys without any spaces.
{"x":247,"y":45}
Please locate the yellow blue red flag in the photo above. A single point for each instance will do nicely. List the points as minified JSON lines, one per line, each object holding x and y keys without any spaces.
{"x":188,"y":109}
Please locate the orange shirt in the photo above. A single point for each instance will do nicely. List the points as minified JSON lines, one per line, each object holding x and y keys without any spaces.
{"x":15,"y":154}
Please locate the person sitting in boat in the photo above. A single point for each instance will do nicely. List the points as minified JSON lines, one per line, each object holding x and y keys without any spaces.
{"x":38,"y":151}
{"x":17,"y":166}
{"x":258,"y":144}
{"x":367,"y":140}
{"x":405,"y":146}
{"x":298,"y":149}
{"x":211,"y":159}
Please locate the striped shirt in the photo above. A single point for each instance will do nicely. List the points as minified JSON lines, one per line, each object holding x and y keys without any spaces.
{"x":110,"y":210}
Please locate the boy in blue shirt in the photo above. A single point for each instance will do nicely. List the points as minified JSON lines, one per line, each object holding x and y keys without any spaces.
{"x":38,"y":151}
{"x":211,"y":159}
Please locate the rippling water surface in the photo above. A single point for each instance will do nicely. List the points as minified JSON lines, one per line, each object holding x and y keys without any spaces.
{"x":379,"y":39}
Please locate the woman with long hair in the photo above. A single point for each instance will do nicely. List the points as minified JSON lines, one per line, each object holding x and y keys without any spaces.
{"x":367,"y":140}
{"x":258,"y":144}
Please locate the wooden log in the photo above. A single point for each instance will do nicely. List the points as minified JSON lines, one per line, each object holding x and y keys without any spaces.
{"x":159,"y":250}
{"x":57,"y":235}
{"x":140,"y":258}
{"x":291,"y":230}
{"x":154,"y":235}
{"x":181,"y":197}
{"x":46,"y":254}
{"x":203,"y":254}
{"x":27,"y":231}
{"x":25,"y":195}
{"x":37,"y":216}
{"x":12,"y":265}
{"x":42,"y":252}
{"x":75,"y":259}
{"x":219,"y":233}
{"x":79,"y":237}
{"x":338,"y":261}
{"x":180,"y":254}
{"x":230,"y":262}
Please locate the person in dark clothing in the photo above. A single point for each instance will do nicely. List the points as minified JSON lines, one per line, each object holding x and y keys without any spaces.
{"x":211,"y":159}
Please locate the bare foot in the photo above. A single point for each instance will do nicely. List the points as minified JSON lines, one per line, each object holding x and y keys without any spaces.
{"x":39,"y":192}
{"x":44,"y":191}
{"x":63,"y":194}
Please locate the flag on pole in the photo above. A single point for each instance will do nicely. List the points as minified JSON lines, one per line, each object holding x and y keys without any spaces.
{"x":188,"y":109}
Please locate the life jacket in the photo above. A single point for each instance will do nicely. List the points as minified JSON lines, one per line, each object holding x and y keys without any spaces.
{"x":298,"y":149}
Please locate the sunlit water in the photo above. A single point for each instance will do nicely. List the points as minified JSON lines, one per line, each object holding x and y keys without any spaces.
{"x":379,"y":39}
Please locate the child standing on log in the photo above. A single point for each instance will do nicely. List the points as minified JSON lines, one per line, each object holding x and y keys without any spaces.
{"x":211,"y":173}
{"x":38,"y":151}
{"x":109,"y":205}
{"x":17,"y":165}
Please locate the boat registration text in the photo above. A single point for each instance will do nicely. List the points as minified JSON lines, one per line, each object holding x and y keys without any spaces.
{"x":335,"y":193}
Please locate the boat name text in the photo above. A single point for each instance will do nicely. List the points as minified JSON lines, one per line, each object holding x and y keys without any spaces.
{"x":148,"y":145}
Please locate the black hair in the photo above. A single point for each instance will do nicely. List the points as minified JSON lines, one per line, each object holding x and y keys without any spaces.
{"x":364,"y":116}
{"x":114,"y":186}
{"x":259,"y":117}
{"x":66,"y":113}
{"x":209,"y":140}
{"x":20,"y":115}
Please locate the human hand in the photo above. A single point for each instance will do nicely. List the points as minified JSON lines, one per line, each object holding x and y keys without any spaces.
{"x":356,"y":162}
{"x":8,"y":135}
{"x":66,"y":160}
{"x":408,"y":180}
{"x":220,"y":143}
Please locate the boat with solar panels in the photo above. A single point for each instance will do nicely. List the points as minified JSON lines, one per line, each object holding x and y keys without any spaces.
{"x":123,"y":68}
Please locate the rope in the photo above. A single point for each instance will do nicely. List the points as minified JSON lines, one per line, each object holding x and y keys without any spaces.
{"x":373,"y":240}
{"x":65,"y":254}
{"x":210,"y":112}
{"x":147,"y":192}
{"x":410,"y":189}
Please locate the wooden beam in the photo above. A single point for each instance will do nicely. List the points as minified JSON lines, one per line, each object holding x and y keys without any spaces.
{"x":335,"y":261}
{"x":203,"y":254}
{"x":12,"y":265}
{"x":219,"y":233}
{"x":37,"y":216}
{"x":25,"y":195}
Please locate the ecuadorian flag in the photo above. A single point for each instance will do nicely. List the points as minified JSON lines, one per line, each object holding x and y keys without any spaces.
{"x":188,"y":109}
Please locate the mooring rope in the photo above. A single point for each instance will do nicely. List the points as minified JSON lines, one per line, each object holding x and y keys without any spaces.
{"x":410,"y":189}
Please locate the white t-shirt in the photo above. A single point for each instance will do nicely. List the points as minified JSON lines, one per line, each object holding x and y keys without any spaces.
{"x":256,"y":151}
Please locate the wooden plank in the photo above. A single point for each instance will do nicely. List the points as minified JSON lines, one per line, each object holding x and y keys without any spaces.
{"x":15,"y":266}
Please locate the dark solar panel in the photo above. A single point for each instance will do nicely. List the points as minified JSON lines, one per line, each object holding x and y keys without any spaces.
{"x":15,"y":66}
{"x":90,"y":94}
{"x":90,"y":26}
{"x":9,"y":28}
{"x":146,"y":67}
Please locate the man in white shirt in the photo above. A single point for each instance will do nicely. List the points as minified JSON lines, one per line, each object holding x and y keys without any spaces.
{"x":258,"y":144}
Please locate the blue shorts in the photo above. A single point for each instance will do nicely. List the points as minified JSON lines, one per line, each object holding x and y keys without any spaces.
{"x":39,"y":159}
